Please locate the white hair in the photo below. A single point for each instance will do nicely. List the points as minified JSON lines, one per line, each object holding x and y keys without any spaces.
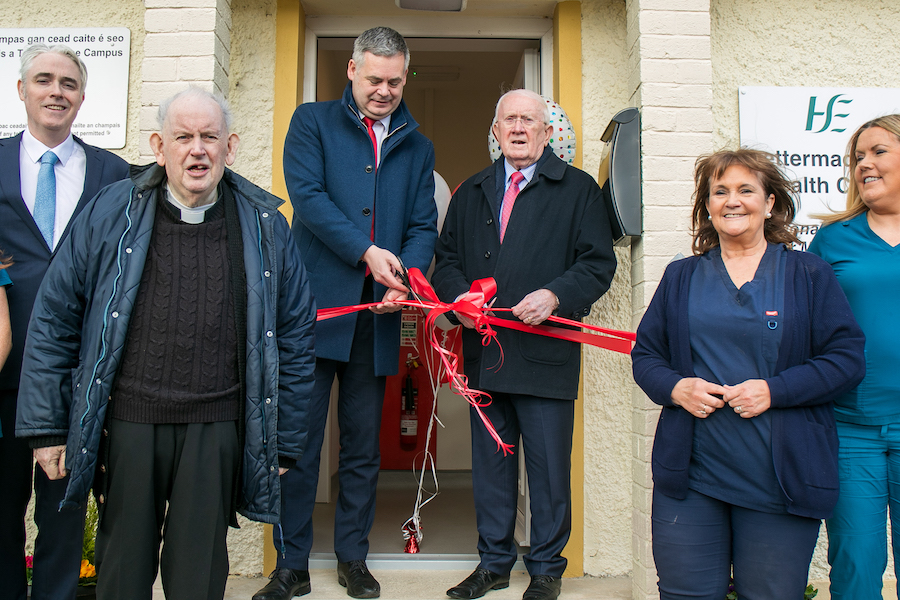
{"x":545,"y":112}
{"x":196,"y":93}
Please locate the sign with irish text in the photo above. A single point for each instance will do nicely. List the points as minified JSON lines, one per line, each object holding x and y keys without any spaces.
{"x":104,"y":50}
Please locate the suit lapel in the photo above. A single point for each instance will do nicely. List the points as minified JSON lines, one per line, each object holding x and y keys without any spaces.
{"x":493,"y":188}
{"x":11,"y":185}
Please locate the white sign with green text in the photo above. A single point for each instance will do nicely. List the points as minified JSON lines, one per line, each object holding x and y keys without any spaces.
{"x":808,"y":128}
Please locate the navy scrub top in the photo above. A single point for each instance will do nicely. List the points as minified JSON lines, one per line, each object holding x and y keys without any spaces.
{"x":735,"y":336}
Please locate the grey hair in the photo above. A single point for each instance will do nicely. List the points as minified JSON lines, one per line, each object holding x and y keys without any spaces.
{"x":199,"y":94}
{"x":380,"y":41}
{"x":35,"y":50}
{"x":545,"y":112}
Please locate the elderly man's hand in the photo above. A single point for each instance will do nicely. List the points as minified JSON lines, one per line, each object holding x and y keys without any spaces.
{"x":52,"y":460}
{"x":536,"y":307}
{"x":383,"y":265}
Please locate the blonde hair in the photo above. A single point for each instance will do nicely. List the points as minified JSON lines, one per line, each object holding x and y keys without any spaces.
{"x":855,"y":204}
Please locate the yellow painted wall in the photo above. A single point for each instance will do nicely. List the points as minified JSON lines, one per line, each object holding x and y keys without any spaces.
{"x":567,"y":93}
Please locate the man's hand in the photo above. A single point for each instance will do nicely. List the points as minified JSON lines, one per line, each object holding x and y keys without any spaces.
{"x":536,"y":307}
{"x":52,"y":460}
{"x":467,"y":322}
{"x":383,"y":265}
{"x":388,"y":303}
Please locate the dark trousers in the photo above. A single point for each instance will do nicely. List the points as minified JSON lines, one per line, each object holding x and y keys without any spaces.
{"x":191,"y":468}
{"x":697,"y":541}
{"x":360,"y":400}
{"x":546,"y":429}
{"x":57,"y":548}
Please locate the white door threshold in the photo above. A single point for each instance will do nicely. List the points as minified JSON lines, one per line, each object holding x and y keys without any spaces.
{"x":403,"y":561}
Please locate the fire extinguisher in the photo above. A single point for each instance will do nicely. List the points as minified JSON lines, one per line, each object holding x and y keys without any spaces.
{"x":409,"y":405}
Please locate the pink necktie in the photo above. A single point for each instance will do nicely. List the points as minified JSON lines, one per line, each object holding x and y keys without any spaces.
{"x":509,"y":198}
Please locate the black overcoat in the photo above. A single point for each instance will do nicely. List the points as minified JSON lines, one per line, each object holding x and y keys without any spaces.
{"x":558,"y":238}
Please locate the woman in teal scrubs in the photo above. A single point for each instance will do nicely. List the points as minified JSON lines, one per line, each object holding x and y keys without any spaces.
{"x":862,"y":243}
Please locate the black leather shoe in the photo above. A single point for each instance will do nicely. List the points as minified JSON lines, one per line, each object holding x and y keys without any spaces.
{"x":543,"y":587}
{"x":355,"y":576}
{"x":284,"y":585}
{"x":479,"y":583}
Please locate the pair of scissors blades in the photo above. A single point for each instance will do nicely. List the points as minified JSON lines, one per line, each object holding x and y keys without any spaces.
{"x":404,"y":277}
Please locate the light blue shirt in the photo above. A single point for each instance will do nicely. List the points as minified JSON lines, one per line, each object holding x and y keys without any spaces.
{"x":527,"y":173}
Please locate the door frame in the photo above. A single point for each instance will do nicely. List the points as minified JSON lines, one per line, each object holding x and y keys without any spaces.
{"x":296,"y":53}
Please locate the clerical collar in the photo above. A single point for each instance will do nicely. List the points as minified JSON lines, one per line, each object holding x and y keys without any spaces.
{"x":191,"y":215}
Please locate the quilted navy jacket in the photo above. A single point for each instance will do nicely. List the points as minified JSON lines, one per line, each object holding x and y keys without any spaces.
{"x":80,"y":324}
{"x":821,"y":357}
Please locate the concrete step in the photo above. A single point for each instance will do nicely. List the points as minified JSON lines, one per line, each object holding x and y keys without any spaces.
{"x":428,"y":585}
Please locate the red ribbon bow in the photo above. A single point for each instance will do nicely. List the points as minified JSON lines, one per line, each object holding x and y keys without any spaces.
{"x":472,"y":304}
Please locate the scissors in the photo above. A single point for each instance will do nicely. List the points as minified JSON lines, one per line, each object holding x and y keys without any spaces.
{"x":404,"y":278}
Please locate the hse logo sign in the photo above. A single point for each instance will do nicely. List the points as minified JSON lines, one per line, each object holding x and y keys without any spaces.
{"x":828,"y":113}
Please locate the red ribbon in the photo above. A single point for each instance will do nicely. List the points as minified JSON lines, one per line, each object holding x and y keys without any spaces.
{"x":472,"y":304}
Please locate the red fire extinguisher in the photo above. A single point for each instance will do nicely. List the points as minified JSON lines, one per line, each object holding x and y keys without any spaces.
{"x":409,"y":405}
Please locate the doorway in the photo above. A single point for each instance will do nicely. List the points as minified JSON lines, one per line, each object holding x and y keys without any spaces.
{"x":452,"y":87}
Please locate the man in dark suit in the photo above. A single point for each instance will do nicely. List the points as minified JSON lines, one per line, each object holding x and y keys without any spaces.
{"x":360,"y":178}
{"x":46,"y":177}
{"x":540,"y":228}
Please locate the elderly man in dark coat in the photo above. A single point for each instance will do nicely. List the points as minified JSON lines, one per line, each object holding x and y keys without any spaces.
{"x":540,"y":229}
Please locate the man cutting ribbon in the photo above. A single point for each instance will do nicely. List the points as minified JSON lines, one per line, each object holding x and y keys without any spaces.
{"x":540,"y":229}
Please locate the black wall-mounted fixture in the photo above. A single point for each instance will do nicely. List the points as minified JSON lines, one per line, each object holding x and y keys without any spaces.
{"x":620,"y":175}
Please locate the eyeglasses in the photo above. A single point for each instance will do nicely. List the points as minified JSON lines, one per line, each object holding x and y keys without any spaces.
{"x":527,"y":121}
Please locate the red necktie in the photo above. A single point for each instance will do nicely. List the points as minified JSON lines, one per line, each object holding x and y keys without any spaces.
{"x":509,"y":198}
{"x":369,"y":123}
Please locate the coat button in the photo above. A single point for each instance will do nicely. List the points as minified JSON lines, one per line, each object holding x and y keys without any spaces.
{"x":369,"y":169}
{"x":101,"y":499}
{"x":367,"y":211}
{"x":487,"y":254}
{"x":490,"y":221}
{"x":265,"y":215}
{"x":103,"y":468}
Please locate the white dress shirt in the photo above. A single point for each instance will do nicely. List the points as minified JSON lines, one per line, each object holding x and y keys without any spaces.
{"x":380,"y":128}
{"x":69,"y":177}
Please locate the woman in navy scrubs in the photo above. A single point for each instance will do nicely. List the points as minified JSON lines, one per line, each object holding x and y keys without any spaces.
{"x":745,"y":345}
{"x":862,"y":243}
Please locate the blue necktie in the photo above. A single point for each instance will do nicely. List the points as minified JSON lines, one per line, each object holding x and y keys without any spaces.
{"x":45,"y":197}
